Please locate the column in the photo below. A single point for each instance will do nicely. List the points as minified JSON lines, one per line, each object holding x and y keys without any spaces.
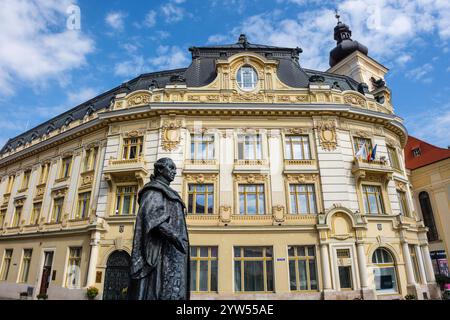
{"x":326,"y":274}
{"x":362,"y":264}
{"x":428,"y":265}
{"x":419,"y":257}
{"x":408,"y":264}
{"x":92,"y":268}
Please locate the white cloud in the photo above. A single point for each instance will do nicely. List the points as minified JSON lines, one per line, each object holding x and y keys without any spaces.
{"x":37,"y":47}
{"x":115,"y":20}
{"x":74,"y":98}
{"x":419,"y":73}
{"x":150,"y":19}
{"x":172,"y":12}
{"x":217,"y":38}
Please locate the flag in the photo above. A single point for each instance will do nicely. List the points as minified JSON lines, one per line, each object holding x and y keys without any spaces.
{"x":369,"y":154}
{"x":374,"y":151}
{"x":361,"y":152}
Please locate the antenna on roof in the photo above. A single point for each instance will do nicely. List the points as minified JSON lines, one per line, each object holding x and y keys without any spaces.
{"x":337,"y":16}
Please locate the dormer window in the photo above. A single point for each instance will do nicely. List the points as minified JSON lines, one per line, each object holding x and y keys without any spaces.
{"x":247,"y":78}
{"x":416,"y":152}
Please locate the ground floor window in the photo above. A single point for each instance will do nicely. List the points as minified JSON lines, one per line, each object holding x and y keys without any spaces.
{"x":6,"y":264}
{"x":26,"y":261}
{"x":203,"y":269}
{"x":440,"y":262}
{"x":302,"y":268}
{"x":384,"y":271}
{"x":73,"y":268}
{"x":253,"y":269}
{"x":345,"y":277}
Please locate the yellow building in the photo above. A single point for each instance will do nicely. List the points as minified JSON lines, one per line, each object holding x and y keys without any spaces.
{"x":279,"y":206}
{"x":429,"y":172}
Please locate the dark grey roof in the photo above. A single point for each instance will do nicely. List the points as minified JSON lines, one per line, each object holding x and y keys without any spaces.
{"x":201,"y":72}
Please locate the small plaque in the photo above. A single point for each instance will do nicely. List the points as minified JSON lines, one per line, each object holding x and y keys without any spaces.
{"x":98,"y":277}
{"x":53,"y":275}
{"x":281,"y":259}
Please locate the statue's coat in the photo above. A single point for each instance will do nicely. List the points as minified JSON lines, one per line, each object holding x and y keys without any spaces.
{"x":160,"y":257}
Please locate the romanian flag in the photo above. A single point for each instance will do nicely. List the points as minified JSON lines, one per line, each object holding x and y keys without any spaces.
{"x":372,"y":153}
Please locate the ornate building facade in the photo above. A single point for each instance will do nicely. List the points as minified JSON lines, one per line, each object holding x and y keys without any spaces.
{"x":278,"y":204}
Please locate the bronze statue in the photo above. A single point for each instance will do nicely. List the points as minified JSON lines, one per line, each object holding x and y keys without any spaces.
{"x":160,"y":257}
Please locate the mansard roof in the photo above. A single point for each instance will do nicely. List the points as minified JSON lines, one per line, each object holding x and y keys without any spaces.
{"x":426,"y":155}
{"x":200,"y":72}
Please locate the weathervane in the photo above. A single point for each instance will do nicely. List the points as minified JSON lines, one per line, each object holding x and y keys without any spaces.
{"x":337,"y":15}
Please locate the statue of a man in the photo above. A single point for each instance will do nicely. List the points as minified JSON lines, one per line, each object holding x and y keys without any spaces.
{"x":160,"y":257}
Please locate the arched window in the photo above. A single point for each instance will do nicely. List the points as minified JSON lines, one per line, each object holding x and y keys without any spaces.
{"x":428,"y":218}
{"x":247,"y":78}
{"x":384,"y":271}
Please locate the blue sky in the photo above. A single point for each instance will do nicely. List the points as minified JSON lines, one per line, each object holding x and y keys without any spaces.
{"x":46,"y":67}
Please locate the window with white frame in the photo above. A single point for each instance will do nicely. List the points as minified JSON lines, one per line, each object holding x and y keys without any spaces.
{"x":384,"y":271}
{"x":25,"y":268}
{"x":73,"y":273}
{"x":6,"y":264}
{"x":401,"y":195}
{"x":250,"y":147}
{"x":302,"y":198}
{"x":202,"y":146}
{"x":297,"y":147}
{"x":373,"y":199}
{"x":247,"y":78}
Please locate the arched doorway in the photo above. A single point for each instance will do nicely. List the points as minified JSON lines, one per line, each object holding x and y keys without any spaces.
{"x":117,"y":276}
{"x":384,"y":271}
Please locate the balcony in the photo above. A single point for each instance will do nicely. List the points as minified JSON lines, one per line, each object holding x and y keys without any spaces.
{"x":292,"y":165}
{"x":204,"y":165}
{"x":363,"y":169}
{"x":121,"y":170}
{"x":251,"y":165}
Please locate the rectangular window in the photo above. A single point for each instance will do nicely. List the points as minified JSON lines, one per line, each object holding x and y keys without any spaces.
{"x":66,"y":165}
{"x":126,"y":200}
{"x":132,"y":148}
{"x":57,"y":209}
{"x":36,"y":213}
{"x":44,"y":173}
{"x":251,"y":199}
{"x":26,"y":262}
{"x":415,"y":263}
{"x":297,"y":147}
{"x":373,"y":201}
{"x":249,"y":147}
{"x":200,"y":198}
{"x":83,"y":205}
{"x":367,"y":143}
{"x":17,"y":216}
{"x":202,"y":147}
{"x":26,"y":179}
{"x":393,"y":159}
{"x":253,"y":269}
{"x":10,"y":183}
{"x":89,"y":159}
{"x":345,"y":277}
{"x":6,"y":264}
{"x":401,"y":195}
{"x":73,"y":268}
{"x":302,"y":268}
{"x":204,"y":274}
{"x":2,"y":218}
{"x":303,"y":199}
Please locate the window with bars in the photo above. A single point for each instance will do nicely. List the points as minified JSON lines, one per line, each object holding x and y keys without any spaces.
{"x":73,"y":274}
{"x":17,"y":216}
{"x":249,"y":147}
{"x":302,"y":268}
{"x":404,"y":209}
{"x":367,"y":143}
{"x":202,"y":147}
{"x":6,"y":264}
{"x":126,"y":200}
{"x":26,"y":262}
{"x":26,"y":179}
{"x":393,"y":158}
{"x":90,"y":159}
{"x":200,"y":198}
{"x":297,"y":147}
{"x":251,"y":199}
{"x":66,"y":165}
{"x":57,"y":209}
{"x":253,"y":269}
{"x":373,"y":200}
{"x":35,"y":213}
{"x":303,"y":199}
{"x":83,"y":205}
{"x":132,"y":148}
{"x":415,"y":263}
{"x":204,"y":273}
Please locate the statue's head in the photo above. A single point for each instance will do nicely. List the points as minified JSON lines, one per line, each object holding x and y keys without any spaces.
{"x":165,"y":170}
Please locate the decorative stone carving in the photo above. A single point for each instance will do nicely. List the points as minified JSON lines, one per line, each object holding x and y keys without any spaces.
{"x":58,"y":193}
{"x":327,"y":134}
{"x":302,"y":98}
{"x":363,"y":134}
{"x":247,"y":97}
{"x":134,"y":133}
{"x":212,"y":98}
{"x":251,"y":178}
{"x":225,"y":213}
{"x":138,"y":99}
{"x":302,"y":178}
{"x":201,"y":177}
{"x":193,"y":98}
{"x":295,"y":131}
{"x":19,"y":202}
{"x":354,"y":99}
{"x":278,"y":213}
{"x":400,"y":185}
{"x":171,"y":134}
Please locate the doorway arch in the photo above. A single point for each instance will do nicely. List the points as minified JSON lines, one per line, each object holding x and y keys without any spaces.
{"x":117,"y":276}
